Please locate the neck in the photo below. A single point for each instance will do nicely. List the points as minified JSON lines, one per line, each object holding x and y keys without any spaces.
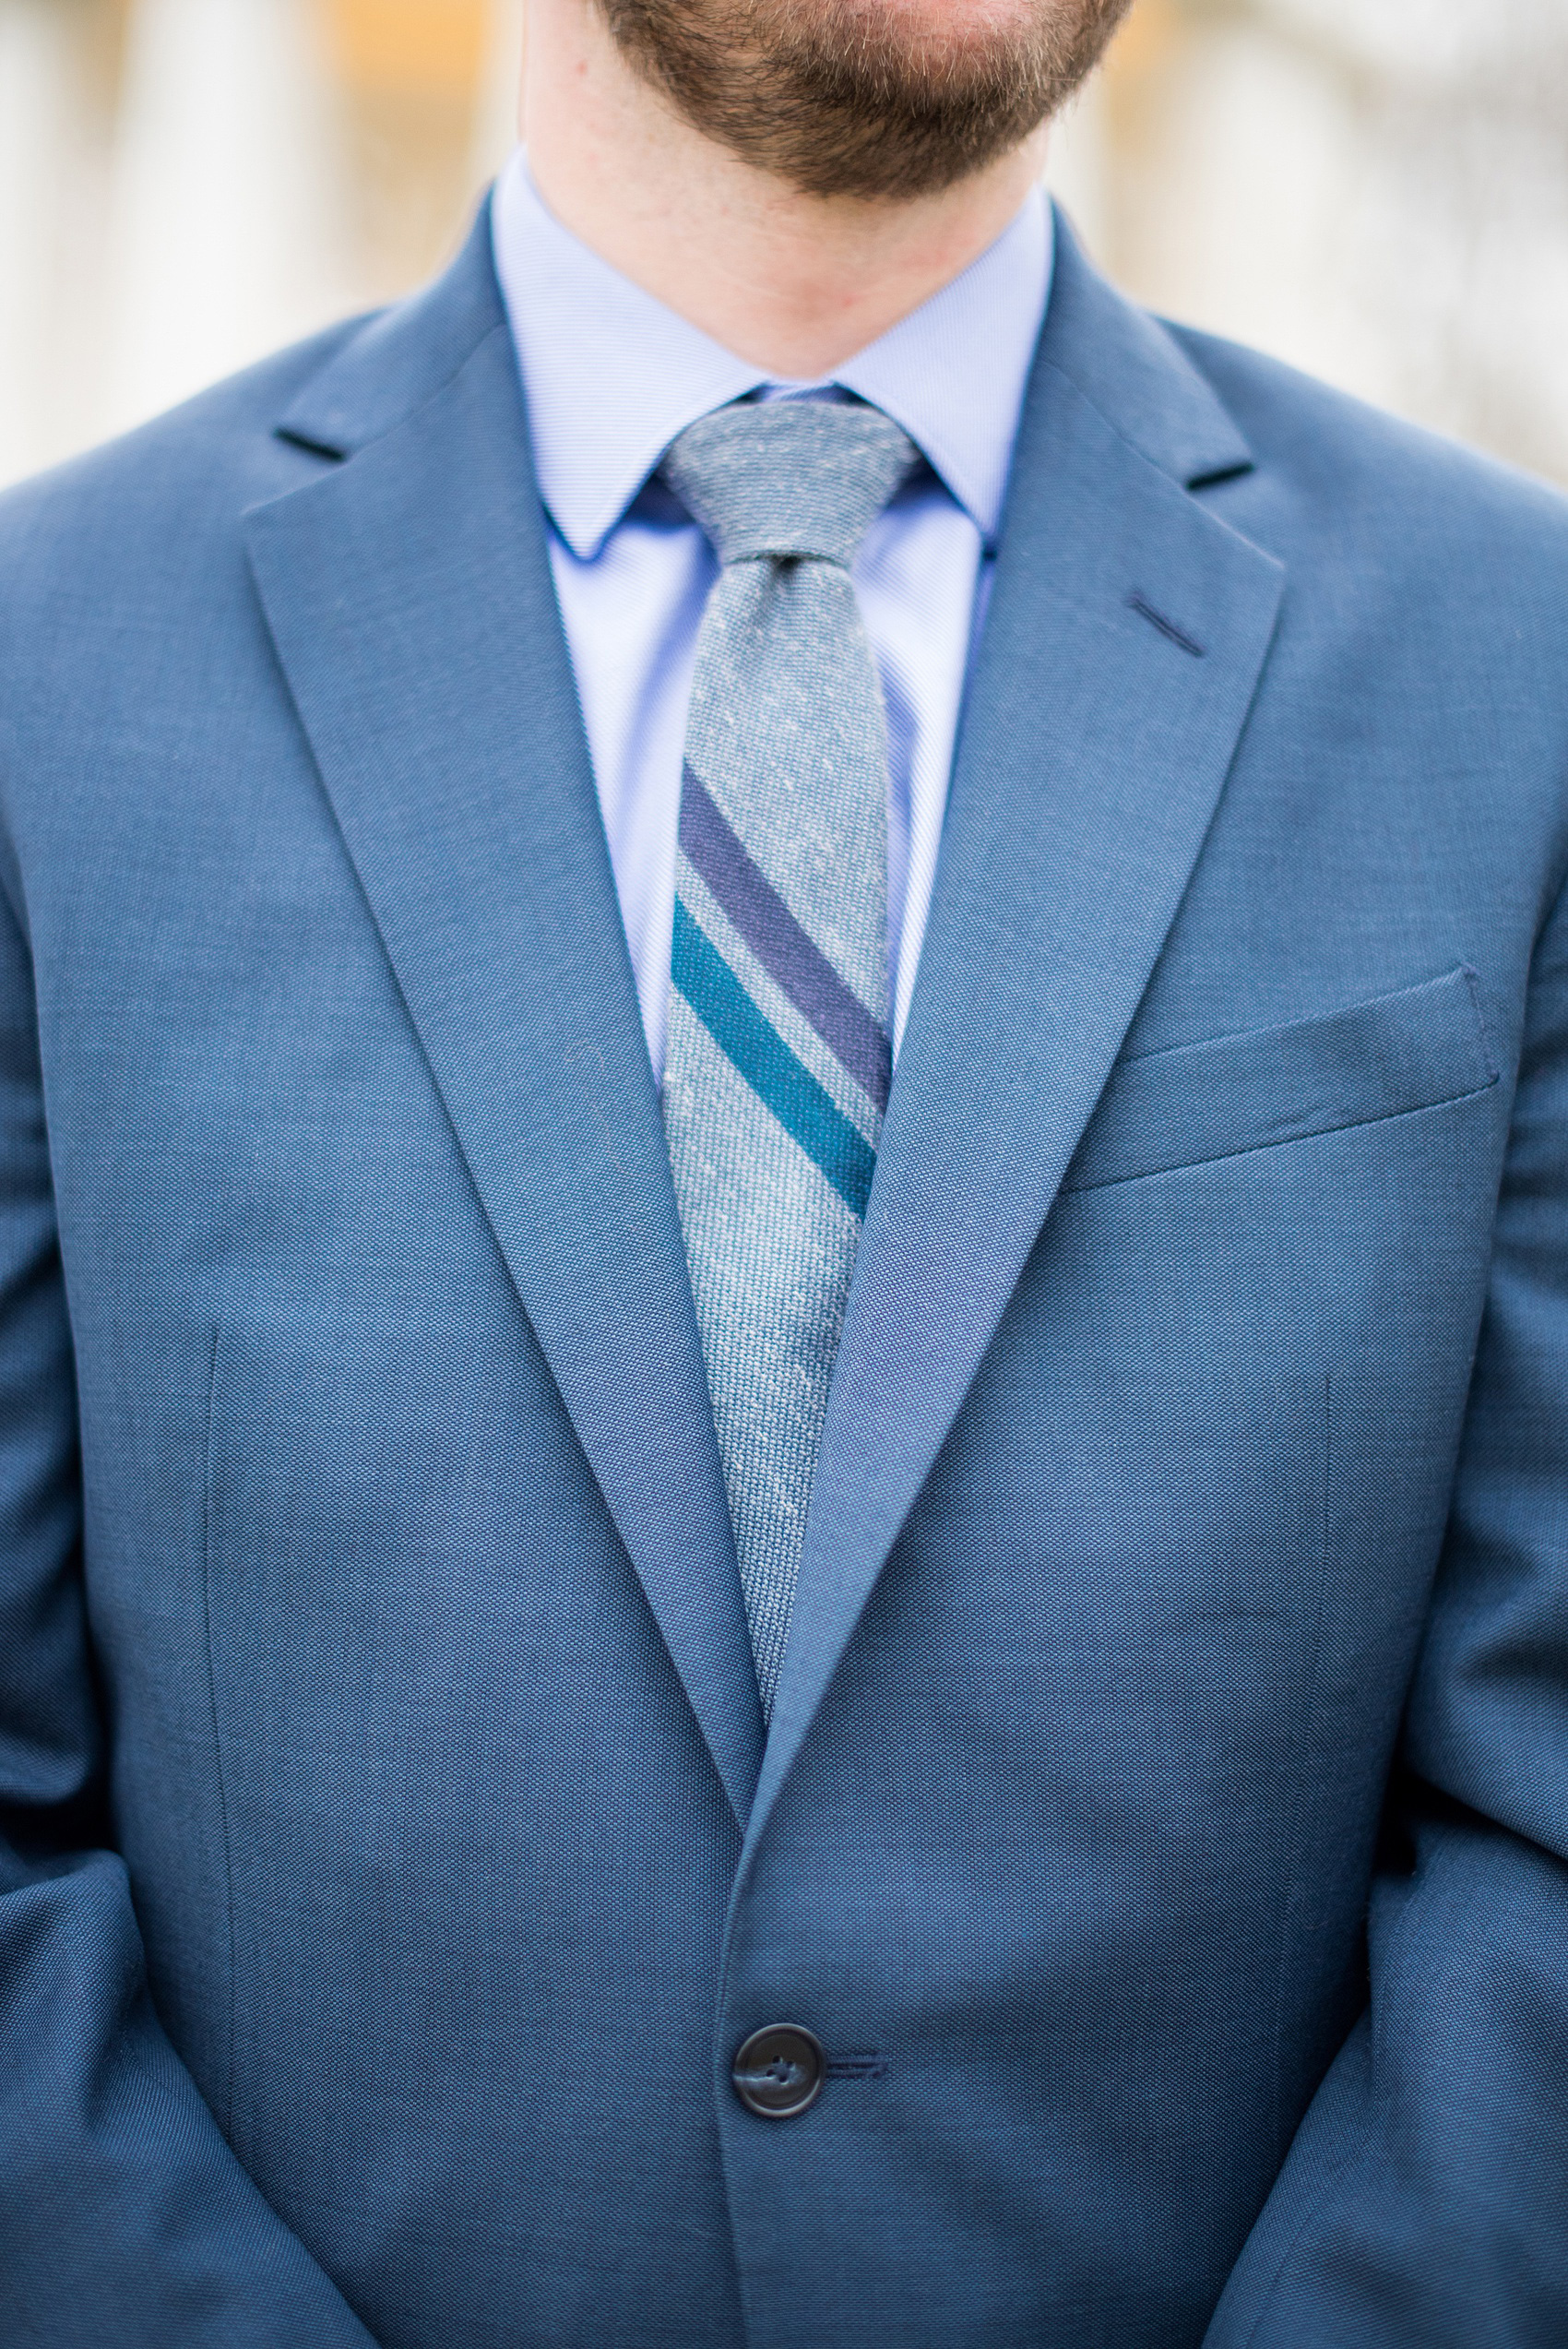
{"x":789,"y":282}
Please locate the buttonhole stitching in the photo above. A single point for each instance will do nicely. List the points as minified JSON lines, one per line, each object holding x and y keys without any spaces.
{"x":1141,"y":604}
{"x":872,"y":2067}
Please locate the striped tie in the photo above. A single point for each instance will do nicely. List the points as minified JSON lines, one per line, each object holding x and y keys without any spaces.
{"x":777,"y":1060}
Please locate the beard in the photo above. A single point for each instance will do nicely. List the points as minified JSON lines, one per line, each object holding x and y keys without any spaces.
{"x":858,"y":98}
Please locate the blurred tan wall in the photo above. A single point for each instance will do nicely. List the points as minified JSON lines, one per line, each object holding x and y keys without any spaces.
{"x":1375,"y":189}
{"x":185,"y":184}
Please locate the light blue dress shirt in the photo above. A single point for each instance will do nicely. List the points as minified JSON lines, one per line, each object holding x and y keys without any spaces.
{"x":611,"y":375}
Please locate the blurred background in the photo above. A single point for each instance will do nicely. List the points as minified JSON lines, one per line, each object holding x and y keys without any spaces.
{"x":1375,"y":189}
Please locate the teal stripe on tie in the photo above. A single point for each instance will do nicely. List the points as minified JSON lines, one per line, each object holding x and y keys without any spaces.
{"x":783,"y":1084}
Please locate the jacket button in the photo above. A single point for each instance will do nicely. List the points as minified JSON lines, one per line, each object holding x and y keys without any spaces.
{"x":779,"y":2072}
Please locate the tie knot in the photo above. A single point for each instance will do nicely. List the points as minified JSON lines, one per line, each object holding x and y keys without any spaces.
{"x":802,"y":478}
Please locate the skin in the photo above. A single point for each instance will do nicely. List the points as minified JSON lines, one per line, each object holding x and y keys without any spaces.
{"x":792,"y":283}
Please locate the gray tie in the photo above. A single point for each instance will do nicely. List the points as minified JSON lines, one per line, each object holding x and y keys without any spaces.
{"x":777,"y":1060}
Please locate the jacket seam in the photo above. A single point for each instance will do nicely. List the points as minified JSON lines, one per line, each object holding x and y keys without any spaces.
{"x":227,"y":2113}
{"x":1300,"y":1743}
{"x":1357,"y":2156}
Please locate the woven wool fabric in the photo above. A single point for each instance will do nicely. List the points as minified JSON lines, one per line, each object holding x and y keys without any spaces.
{"x":779,"y":1061}
{"x":1197,"y":1443}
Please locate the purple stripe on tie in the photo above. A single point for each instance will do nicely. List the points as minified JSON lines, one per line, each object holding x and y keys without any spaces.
{"x":791,"y":959}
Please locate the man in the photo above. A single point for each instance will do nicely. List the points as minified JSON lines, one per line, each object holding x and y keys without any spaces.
{"x":661,"y":1684}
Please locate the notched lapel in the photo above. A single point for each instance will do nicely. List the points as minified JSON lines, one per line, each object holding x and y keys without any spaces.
{"x":1126,"y":634}
{"x":409,"y":596}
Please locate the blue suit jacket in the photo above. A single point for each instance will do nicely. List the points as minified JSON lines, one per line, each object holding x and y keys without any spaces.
{"x":1164,"y":1822}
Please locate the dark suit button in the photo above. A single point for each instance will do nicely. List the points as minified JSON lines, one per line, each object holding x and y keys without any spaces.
{"x":779,"y":2072}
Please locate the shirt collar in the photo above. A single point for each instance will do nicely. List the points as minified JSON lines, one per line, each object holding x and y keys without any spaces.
{"x":613,"y":376}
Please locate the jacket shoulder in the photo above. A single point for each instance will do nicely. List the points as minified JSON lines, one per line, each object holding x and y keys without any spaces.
{"x":1364,"y":475}
{"x":215,"y":452}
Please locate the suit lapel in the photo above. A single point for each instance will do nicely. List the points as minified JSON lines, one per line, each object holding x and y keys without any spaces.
{"x":1127,"y":633}
{"x":409,"y":596}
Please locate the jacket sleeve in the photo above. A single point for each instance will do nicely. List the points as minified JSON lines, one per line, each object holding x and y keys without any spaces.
{"x":1424,"y":2203}
{"x":123,"y":2216}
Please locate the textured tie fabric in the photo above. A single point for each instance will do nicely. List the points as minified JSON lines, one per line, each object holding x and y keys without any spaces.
{"x":777,"y":1059}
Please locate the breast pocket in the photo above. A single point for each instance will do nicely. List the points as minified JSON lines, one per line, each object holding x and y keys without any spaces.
{"x":1383,"y":1058}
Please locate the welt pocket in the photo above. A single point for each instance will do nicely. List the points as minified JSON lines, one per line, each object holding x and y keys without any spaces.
{"x":1411,"y":1050}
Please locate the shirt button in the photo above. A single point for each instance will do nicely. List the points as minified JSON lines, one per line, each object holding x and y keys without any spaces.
{"x":778,"y":2071}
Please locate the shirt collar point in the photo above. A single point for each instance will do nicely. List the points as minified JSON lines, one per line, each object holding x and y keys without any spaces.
{"x":570,"y":310}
